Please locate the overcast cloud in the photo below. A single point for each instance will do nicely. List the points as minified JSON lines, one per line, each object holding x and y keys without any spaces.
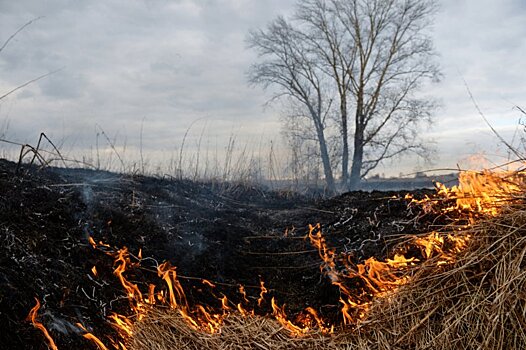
{"x":171,"y":63}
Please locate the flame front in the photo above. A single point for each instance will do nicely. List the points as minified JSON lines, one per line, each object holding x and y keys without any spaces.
{"x":482,"y":192}
{"x":359,"y":283}
{"x":478,"y":194}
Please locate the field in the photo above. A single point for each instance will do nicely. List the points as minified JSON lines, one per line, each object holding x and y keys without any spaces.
{"x":249,"y":268}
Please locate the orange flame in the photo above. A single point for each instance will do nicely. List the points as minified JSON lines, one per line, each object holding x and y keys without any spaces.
{"x":243,"y":293}
{"x":134,"y":293}
{"x":262,"y":294}
{"x":32,"y":317}
{"x":208,"y":283}
{"x":169,"y":275}
{"x":378,"y":278}
{"x":95,"y":340}
{"x":92,"y":242}
{"x":281,"y":316}
{"x":122,"y":323}
{"x":482,"y":192}
{"x":151,"y":294}
{"x":359,"y":283}
{"x":92,"y":337}
{"x":224,"y":303}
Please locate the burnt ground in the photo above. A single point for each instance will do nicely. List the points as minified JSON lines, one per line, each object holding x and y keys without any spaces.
{"x":229,"y":234}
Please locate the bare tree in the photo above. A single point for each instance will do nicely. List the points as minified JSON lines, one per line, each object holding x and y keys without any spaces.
{"x":286,"y":63}
{"x":327,"y":38}
{"x":376,"y":54}
{"x":394,"y":57}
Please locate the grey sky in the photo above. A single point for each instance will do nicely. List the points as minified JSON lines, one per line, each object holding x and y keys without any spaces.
{"x":174,"y":62}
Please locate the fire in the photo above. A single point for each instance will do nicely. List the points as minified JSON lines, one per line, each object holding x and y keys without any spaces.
{"x":92,"y":242}
{"x":485,"y":192}
{"x":92,"y":337}
{"x":224,"y":303}
{"x":169,"y":275}
{"x":208,"y":283}
{"x":379,"y":279}
{"x":312,"y":314}
{"x":262,"y":294}
{"x":327,"y":255}
{"x":32,"y":317}
{"x":281,"y":316}
{"x":95,"y":340}
{"x":197,"y":318}
{"x":122,"y":323}
{"x":482,"y":192}
{"x":478,"y":194}
{"x":134,"y":293}
{"x":359,"y":282}
{"x":151,"y":294}
{"x":243,"y":293}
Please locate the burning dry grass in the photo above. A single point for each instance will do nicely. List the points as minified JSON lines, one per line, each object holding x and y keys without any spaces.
{"x":162,"y":330}
{"x":476,"y":302}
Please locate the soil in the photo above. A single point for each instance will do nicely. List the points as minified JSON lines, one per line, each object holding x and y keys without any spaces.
{"x":229,"y":234}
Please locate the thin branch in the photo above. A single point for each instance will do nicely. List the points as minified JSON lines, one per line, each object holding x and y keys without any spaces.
{"x":18,"y":31}
{"x":513,"y":150}
{"x":112,"y":145}
{"x":521,"y":110}
{"x":29,"y":82}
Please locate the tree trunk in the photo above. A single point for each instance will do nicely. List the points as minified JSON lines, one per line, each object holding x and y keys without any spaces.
{"x":345,"y":139}
{"x":327,"y":170}
{"x":357,"y":160}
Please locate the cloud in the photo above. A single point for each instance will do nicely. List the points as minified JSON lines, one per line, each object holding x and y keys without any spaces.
{"x":65,"y":85}
{"x":177,"y":61}
{"x":481,"y":46}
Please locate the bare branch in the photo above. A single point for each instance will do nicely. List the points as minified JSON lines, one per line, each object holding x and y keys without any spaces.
{"x":18,"y":31}
{"x":29,"y":82}
{"x":513,"y":150}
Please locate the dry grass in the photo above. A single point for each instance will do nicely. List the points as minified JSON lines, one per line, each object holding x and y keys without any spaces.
{"x":478,"y":302}
{"x":163,"y":330}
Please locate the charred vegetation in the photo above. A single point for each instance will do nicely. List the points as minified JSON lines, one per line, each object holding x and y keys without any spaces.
{"x":230,"y":235}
